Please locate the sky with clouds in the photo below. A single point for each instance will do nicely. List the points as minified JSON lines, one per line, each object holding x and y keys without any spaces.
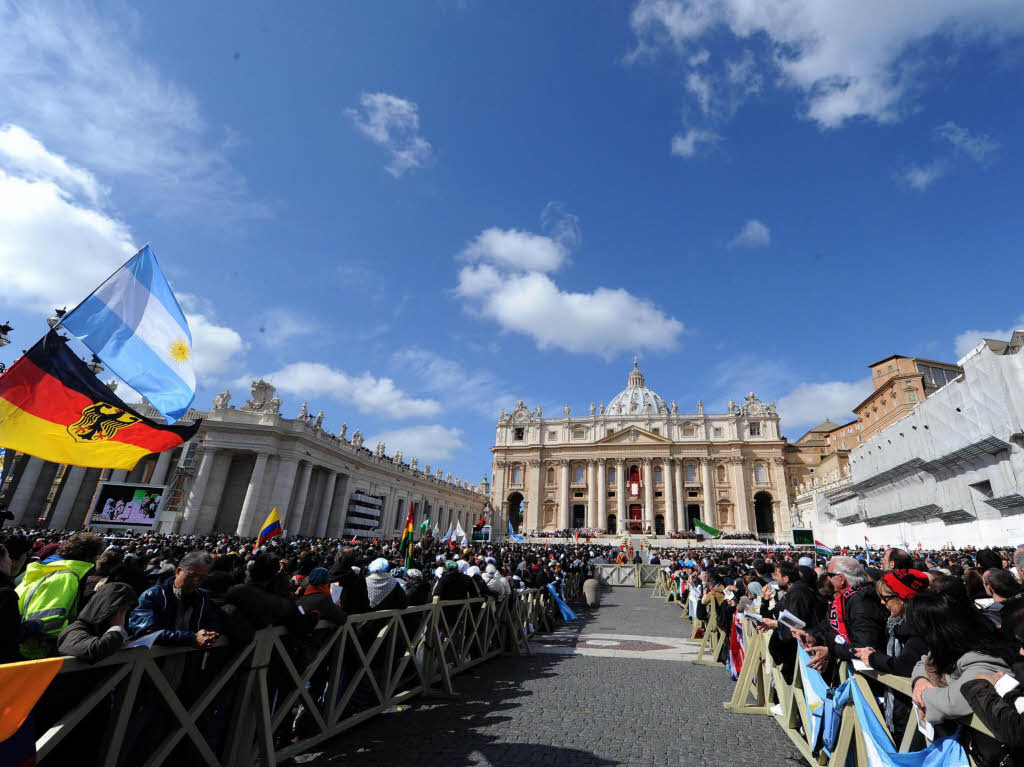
{"x":413,"y":214}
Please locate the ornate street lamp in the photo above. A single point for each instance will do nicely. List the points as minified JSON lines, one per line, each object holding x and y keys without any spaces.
{"x":58,"y":315}
{"x":5,"y":328}
{"x":94,"y":365}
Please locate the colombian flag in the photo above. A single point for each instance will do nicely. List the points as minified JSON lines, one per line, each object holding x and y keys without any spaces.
{"x":271,"y":527}
{"x":53,"y":407}
{"x":407,"y":533}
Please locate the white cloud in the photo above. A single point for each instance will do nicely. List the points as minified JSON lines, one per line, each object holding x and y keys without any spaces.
{"x":753,"y":234}
{"x":366,"y":392}
{"x":478,"y":390}
{"x":26,"y":154}
{"x":429,"y":443}
{"x":603,"y":322}
{"x":78,"y":82}
{"x":700,"y":86}
{"x":394,"y":124}
{"x":561,"y":225}
{"x":700,"y":57}
{"x":53,"y":250}
{"x":515,"y":249}
{"x":970,"y":338}
{"x":279,"y":327}
{"x":685,"y":144}
{"x":849,"y":59}
{"x":923,"y":176}
{"x":809,"y":404}
{"x":978,"y":147}
{"x":214,"y":347}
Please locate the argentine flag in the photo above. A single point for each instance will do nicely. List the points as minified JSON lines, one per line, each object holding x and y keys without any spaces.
{"x":134,"y":324}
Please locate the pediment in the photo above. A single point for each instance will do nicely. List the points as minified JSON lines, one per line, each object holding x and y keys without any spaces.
{"x":634,"y":435}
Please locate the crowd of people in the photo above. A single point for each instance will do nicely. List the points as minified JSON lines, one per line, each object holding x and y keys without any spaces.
{"x":952,"y":622}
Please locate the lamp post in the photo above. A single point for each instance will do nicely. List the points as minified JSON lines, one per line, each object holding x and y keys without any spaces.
{"x":5,"y":328}
{"x":58,"y":315}
{"x":94,"y":365}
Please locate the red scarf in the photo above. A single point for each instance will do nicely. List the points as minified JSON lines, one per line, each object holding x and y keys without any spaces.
{"x":837,"y":615}
{"x":317,"y":590}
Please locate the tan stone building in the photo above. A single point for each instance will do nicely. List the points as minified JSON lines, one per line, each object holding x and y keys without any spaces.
{"x":639,"y":464}
{"x":900,"y":384}
{"x":821,"y":453}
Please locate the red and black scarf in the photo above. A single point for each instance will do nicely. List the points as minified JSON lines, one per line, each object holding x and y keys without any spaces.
{"x":837,"y":613}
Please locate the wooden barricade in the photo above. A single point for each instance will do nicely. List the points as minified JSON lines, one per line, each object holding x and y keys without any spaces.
{"x":278,"y":696}
{"x":752,"y":694}
{"x":662,"y":587}
{"x":713,"y":639}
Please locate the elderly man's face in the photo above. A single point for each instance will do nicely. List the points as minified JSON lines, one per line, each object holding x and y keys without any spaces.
{"x":838,"y":580}
{"x":188,"y":580}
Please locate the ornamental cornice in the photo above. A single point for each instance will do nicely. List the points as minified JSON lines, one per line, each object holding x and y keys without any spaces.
{"x":619,"y":460}
{"x":735,"y":460}
{"x":564,"y":462}
{"x":534,"y":462}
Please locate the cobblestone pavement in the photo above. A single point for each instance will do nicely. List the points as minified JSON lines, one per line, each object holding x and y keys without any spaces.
{"x":575,"y":709}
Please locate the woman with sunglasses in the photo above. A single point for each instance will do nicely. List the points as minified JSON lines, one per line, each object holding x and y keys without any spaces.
{"x":905,"y":645}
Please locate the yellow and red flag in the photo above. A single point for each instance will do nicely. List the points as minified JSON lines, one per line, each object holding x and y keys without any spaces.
{"x":53,"y":407}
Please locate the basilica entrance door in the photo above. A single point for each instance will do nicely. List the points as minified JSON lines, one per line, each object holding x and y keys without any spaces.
{"x":579,"y":516}
{"x":636,"y":523}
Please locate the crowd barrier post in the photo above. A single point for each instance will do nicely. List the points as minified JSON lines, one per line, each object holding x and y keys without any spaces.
{"x":661,"y":587}
{"x":711,"y":642}
{"x":754,"y":680}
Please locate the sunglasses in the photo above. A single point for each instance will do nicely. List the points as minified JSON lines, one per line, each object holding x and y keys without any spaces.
{"x":886,"y":597}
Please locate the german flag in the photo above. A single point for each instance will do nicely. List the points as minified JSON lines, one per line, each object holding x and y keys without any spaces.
{"x":53,"y":407}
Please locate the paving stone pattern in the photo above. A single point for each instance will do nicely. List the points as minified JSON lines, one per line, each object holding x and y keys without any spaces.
{"x":575,"y":710}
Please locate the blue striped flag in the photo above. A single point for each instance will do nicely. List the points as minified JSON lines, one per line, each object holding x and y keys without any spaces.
{"x":134,"y":324}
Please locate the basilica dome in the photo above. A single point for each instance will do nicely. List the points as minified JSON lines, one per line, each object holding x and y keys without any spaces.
{"x":636,"y":398}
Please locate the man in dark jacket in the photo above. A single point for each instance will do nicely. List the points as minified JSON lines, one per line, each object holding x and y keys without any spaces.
{"x":354,"y":599}
{"x":802,"y":600}
{"x":176,"y":609}
{"x":856,"y":617}
{"x":10,"y":617}
{"x":99,"y":631}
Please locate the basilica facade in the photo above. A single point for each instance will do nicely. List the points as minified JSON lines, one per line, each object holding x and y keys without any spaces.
{"x":638,"y":465}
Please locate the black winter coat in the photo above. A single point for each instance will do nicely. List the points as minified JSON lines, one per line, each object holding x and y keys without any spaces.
{"x":10,"y":622}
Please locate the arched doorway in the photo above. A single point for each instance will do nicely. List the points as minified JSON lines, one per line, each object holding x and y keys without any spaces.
{"x":515,"y":510}
{"x":612,"y":525}
{"x":659,"y":524}
{"x":764,"y":513}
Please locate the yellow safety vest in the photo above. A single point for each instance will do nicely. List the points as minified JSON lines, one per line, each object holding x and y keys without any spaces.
{"x":49,"y":595}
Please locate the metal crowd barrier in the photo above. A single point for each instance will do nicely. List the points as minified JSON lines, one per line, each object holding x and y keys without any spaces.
{"x":634,"y":576}
{"x":760,"y":686}
{"x":279,"y":695}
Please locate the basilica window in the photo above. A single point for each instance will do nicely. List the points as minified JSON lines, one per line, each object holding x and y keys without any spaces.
{"x":611,"y":475}
{"x":551,"y":476}
{"x":517,"y":475}
{"x":518,"y":434}
{"x":655,"y":430}
{"x":760,"y":473}
{"x":657,"y":474}
{"x":718,"y":431}
{"x":755,"y":429}
{"x":689,"y":430}
{"x":552,"y":435}
{"x":721,"y":473}
{"x":691,"y":472}
{"x":577,"y":474}
{"x":579,"y":433}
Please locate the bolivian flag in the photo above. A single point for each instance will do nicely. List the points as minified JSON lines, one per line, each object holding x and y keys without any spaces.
{"x":407,"y":533}
{"x":53,"y":407}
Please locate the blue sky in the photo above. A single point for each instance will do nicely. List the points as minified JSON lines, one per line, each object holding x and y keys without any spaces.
{"x":413,"y":214}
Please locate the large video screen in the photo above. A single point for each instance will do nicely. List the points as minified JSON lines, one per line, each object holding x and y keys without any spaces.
{"x":127,"y":505}
{"x":803,"y":537}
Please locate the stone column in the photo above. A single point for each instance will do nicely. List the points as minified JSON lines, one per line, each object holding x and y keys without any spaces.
{"x":534,"y":493}
{"x":295,"y":523}
{"x":23,"y":492}
{"x":667,"y":480}
{"x":592,"y":493}
{"x":284,"y":483}
{"x":119,"y":475}
{"x":340,"y":514}
{"x":163,"y":463}
{"x":648,"y":494}
{"x":68,"y":495}
{"x":190,"y":517}
{"x":710,"y":515}
{"x":680,"y":495}
{"x":206,"y":518}
{"x":602,"y":494}
{"x":620,"y":494}
{"x":320,"y":527}
{"x":743,"y":521}
{"x":246,"y":517}
{"x":563,"y":496}
{"x":783,"y":518}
